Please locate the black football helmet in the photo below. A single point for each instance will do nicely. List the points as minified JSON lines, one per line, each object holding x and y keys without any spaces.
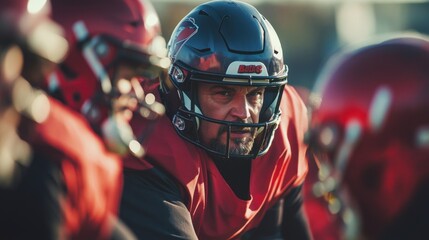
{"x":224,"y":43}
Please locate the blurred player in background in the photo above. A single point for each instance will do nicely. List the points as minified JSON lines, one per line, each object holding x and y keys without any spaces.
{"x":71,"y":185}
{"x":30,"y":46}
{"x":370,"y":127}
{"x":115,"y":49}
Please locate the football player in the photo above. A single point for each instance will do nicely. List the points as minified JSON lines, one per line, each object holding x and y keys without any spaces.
{"x":228,"y":160}
{"x":370,"y":127}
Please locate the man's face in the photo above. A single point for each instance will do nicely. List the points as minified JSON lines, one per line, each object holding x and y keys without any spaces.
{"x":240,"y":104}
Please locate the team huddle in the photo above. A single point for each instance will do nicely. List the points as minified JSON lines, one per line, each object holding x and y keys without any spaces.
{"x":109,"y":130}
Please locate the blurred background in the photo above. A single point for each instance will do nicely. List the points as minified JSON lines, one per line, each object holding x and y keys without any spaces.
{"x":312,"y":30}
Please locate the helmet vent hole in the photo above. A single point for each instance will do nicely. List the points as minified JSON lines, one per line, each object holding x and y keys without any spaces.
{"x":204,"y":50}
{"x":276,"y":52}
{"x":202,"y":12}
{"x":76,"y":97}
{"x":135,"y":23}
{"x":68,"y":72}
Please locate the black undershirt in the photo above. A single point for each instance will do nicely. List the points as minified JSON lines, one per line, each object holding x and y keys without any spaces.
{"x":236,"y":173}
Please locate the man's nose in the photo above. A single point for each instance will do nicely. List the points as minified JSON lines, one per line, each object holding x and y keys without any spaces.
{"x":240,"y":108}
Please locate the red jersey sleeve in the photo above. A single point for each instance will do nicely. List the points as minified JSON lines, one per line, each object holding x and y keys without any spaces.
{"x":92,"y":175}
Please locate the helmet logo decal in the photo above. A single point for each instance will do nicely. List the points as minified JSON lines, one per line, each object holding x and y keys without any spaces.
{"x":250,"y":69}
{"x":179,"y":123}
{"x":247,"y":68}
{"x":185,"y":31}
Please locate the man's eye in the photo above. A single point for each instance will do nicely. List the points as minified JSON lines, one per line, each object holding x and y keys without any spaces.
{"x":256,"y":93}
{"x":256,"y":96}
{"x":224,"y":93}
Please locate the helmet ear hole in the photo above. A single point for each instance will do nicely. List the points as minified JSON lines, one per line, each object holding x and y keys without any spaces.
{"x":76,"y":97}
{"x":67,"y":71}
{"x":371,"y":176}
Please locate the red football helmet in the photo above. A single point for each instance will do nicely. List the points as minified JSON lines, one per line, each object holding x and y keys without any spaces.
{"x":110,"y":42}
{"x":371,"y":120}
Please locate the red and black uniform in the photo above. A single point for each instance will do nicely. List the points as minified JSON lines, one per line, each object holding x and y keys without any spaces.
{"x":179,"y":192}
{"x":72,"y":188}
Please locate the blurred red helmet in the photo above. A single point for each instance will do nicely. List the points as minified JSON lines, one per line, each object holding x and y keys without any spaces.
{"x":105,"y":36}
{"x":371,"y":119}
{"x":101,"y":36}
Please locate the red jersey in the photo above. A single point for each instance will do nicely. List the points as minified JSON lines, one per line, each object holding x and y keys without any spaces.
{"x":217,"y":213}
{"x":91,"y":175}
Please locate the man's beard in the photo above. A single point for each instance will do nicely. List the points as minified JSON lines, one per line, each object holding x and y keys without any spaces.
{"x":238,"y":146}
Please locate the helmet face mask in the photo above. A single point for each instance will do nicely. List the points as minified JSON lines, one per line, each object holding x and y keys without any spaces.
{"x":191,"y":113}
{"x":231,"y":45}
{"x":260,"y":130}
